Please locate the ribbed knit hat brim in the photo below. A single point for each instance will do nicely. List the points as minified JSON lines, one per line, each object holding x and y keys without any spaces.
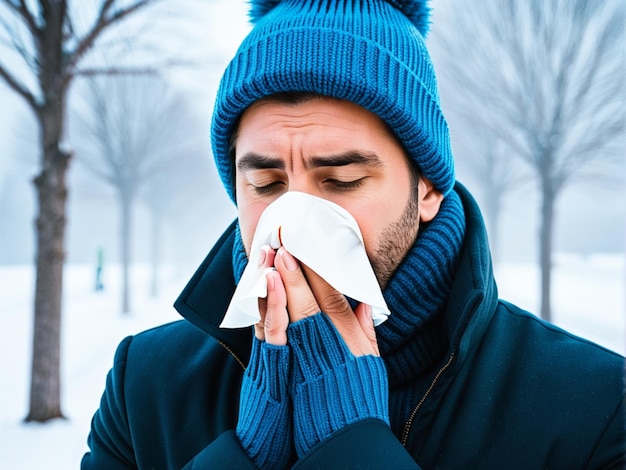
{"x":363,"y":51}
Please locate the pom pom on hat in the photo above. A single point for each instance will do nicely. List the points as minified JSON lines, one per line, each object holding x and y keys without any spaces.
{"x":370,"y":52}
{"x":417,"y":11}
{"x":260,"y":8}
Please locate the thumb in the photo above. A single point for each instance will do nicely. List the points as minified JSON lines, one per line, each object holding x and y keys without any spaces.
{"x":363,"y":313}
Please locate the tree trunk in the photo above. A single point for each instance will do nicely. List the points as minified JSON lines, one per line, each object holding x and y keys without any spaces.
{"x":45,"y":391}
{"x":545,"y":248}
{"x":126,"y":201}
{"x":155,"y":251}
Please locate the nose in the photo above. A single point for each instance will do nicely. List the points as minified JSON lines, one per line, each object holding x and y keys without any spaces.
{"x":304,"y":184}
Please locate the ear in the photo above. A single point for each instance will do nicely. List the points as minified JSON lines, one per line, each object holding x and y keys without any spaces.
{"x":429,"y":200}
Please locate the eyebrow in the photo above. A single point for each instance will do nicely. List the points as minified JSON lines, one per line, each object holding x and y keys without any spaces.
{"x":254,"y":161}
{"x":347,"y":158}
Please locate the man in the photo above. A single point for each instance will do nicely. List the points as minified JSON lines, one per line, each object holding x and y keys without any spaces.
{"x":337,"y":99}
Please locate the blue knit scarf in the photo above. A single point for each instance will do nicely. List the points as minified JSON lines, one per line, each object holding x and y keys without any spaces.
{"x":416,"y":293}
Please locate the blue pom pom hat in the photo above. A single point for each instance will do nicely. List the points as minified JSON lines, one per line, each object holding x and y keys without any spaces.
{"x":370,"y":52}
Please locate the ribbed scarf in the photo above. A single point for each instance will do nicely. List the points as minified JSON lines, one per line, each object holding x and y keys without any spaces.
{"x":416,"y":293}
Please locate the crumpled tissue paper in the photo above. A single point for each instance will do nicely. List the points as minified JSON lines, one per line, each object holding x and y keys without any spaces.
{"x":320,"y":234}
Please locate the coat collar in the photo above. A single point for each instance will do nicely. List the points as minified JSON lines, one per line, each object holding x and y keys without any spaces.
{"x":474,"y":295}
{"x":205,"y":298}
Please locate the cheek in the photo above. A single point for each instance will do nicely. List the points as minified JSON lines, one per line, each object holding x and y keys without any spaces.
{"x":249,"y":215}
{"x":372,"y":221}
{"x":377,"y":214}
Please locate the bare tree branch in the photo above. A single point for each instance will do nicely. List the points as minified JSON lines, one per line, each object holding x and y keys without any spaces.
{"x":21,"y":9}
{"x":103,"y":21}
{"x":28,"y":18}
{"x":154,"y":69}
{"x":103,"y":71}
{"x":14,"y":42}
{"x":19,"y":88}
{"x":87,"y":41}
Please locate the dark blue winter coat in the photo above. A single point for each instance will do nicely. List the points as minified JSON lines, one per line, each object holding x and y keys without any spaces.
{"x":512,"y":391}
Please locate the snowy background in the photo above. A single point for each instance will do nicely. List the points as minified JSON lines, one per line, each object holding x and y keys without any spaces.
{"x":588,"y":297}
{"x":588,"y":300}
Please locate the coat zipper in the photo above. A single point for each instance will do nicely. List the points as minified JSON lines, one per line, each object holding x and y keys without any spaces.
{"x":234,"y":355}
{"x":409,"y":423}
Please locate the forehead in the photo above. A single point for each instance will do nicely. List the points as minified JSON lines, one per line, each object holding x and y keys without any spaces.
{"x":313,"y":116}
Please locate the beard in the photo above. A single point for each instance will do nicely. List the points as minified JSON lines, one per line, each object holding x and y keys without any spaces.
{"x":397,"y":239}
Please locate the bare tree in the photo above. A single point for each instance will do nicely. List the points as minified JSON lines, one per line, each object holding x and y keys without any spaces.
{"x":545,"y":78}
{"x":461,"y":52}
{"x":49,"y":46}
{"x":485,"y":158}
{"x":136,"y":134}
{"x":178,"y":190}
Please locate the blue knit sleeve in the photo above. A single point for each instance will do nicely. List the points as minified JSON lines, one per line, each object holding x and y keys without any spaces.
{"x":265,"y":422}
{"x":330,"y":387}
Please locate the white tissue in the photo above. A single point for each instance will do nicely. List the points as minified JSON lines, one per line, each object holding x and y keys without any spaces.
{"x":322,"y":235}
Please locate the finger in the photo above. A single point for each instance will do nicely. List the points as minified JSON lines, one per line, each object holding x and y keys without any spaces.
{"x":266,"y":260}
{"x":330,"y":300}
{"x":301,"y":302}
{"x":276,"y":319}
{"x":363,"y":313}
{"x":334,"y":304}
{"x":266,"y":256}
{"x":259,"y":329}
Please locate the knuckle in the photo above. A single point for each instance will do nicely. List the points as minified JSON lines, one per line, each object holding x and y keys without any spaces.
{"x":272,"y":304}
{"x":309,"y":308}
{"x":272,"y":327}
{"x":296,"y":279}
{"x":335,"y":303}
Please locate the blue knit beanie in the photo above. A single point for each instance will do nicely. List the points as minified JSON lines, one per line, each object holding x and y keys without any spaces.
{"x":370,"y":52}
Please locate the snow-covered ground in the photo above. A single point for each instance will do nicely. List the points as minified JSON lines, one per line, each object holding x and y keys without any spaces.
{"x":589,"y":299}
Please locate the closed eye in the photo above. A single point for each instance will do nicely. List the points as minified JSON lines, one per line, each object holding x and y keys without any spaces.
{"x":268,"y":188}
{"x":345,"y":185}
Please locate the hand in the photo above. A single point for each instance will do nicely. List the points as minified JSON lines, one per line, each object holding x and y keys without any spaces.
{"x":323,"y":355}
{"x":273,"y":327}
{"x":296,"y":292}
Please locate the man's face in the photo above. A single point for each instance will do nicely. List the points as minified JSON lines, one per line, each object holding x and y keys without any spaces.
{"x":338,"y":151}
